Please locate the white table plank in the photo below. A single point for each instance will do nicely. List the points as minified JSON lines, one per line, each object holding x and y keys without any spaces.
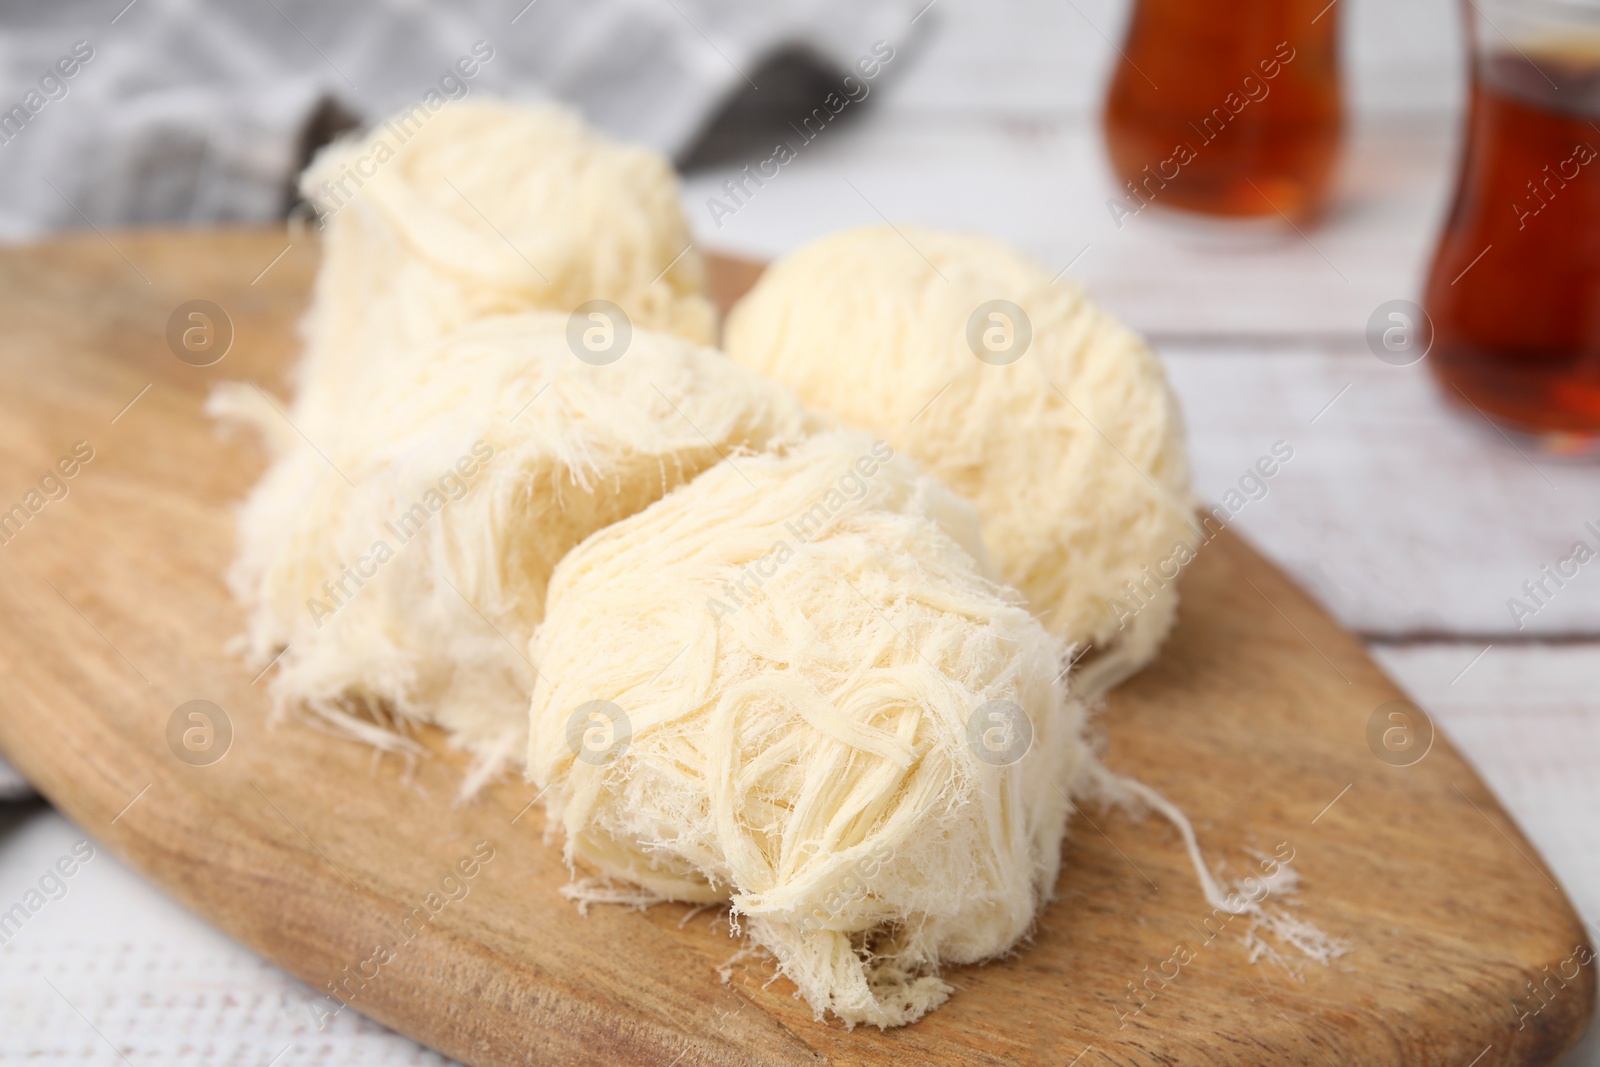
{"x":1043,"y":185}
{"x":1399,"y":515}
{"x":990,"y":122}
{"x":1035,"y":57}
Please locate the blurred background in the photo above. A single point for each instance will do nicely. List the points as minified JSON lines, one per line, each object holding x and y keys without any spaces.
{"x":1408,"y":510}
{"x":199,"y":113}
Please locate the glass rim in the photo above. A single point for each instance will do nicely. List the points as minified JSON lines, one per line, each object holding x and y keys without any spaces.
{"x":1581,"y":9}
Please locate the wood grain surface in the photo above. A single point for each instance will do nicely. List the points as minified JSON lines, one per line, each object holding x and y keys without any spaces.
{"x":313,"y":852}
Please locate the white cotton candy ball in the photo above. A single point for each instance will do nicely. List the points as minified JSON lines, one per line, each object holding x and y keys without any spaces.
{"x":788,"y":685}
{"x":415,"y":584}
{"x":436,"y":218}
{"x":1058,"y":424}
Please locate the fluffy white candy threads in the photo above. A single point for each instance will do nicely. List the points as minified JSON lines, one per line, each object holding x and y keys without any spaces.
{"x":433,"y":220}
{"x":1062,"y":431}
{"x":416,"y":584}
{"x":788,"y":685}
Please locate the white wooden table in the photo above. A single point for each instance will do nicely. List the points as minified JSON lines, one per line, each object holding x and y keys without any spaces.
{"x":1413,"y":524}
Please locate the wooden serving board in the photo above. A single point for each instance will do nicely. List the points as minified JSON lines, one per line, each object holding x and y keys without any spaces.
{"x":313,"y":852}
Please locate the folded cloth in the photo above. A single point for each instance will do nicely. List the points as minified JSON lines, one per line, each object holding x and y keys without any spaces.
{"x":173,"y":111}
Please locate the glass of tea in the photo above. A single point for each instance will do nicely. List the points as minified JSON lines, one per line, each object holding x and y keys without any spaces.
{"x":1514,"y":292}
{"x":1227,"y":107}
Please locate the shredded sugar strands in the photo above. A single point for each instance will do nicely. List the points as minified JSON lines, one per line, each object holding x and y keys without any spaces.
{"x":405,"y":575}
{"x":1017,"y":392}
{"x":811,"y":757}
{"x":775,"y":668}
